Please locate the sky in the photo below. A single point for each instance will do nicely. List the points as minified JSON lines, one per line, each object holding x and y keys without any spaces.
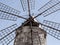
{"x":39,"y":3}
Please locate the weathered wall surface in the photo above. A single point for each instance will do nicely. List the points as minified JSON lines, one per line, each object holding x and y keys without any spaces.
{"x":24,"y":36}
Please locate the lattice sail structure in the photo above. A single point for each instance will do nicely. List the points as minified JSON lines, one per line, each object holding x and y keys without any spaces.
{"x":9,"y":13}
{"x":7,"y":34}
{"x":49,"y":8}
{"x":24,"y":4}
{"x":5,"y":10}
{"x":31,"y":32}
{"x":52,"y":24}
{"x":51,"y":28}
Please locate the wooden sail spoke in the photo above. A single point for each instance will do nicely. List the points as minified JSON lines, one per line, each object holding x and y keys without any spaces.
{"x":30,"y":6}
{"x":29,"y":13}
{"x":8,"y":39}
{"x":7,"y":30}
{"x":49,"y":8}
{"x":52,"y":24}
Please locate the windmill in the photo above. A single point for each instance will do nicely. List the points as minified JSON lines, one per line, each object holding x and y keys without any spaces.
{"x":31,"y":32}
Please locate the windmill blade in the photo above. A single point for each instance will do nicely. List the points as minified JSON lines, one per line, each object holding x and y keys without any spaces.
{"x":8,"y":39}
{"x":52,"y":24}
{"x":6,"y":16}
{"x":51,"y":31}
{"x":53,"y":9}
{"x":49,"y":8}
{"x":32,"y":4}
{"x":8,"y":13}
{"x":7,"y":35}
{"x":13,"y":37}
{"x":25,"y":5}
{"x":7,"y":30}
{"x":8,"y":9}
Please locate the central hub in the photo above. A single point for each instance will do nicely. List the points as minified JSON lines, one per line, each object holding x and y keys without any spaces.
{"x":31,"y":19}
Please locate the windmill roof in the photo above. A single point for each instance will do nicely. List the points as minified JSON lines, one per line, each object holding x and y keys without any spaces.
{"x":27,"y":22}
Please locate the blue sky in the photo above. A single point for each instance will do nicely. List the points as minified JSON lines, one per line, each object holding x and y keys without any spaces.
{"x":39,"y":3}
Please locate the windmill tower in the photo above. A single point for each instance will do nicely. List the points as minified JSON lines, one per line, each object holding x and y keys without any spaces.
{"x":29,"y":32}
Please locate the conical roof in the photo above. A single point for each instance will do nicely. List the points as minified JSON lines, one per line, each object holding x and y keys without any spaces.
{"x":31,"y":19}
